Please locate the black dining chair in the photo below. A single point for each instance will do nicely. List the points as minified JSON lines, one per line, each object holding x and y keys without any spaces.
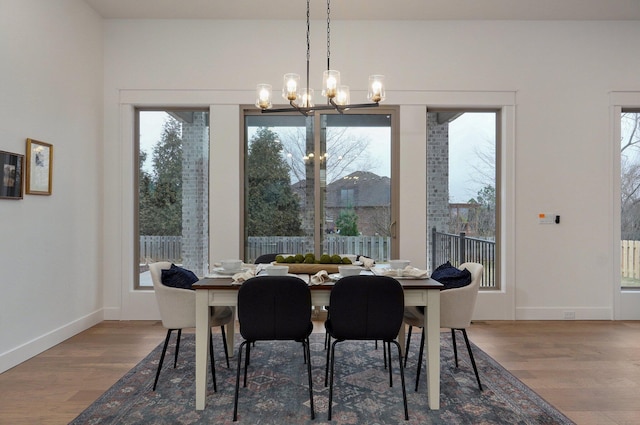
{"x":366,"y":308}
{"x":266,"y":259}
{"x":274,"y":308}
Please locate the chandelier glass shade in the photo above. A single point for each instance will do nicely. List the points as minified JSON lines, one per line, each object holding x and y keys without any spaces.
{"x":337,"y":96}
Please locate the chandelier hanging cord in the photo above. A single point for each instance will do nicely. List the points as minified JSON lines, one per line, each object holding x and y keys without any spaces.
{"x":308,"y":51}
{"x":328,"y":34}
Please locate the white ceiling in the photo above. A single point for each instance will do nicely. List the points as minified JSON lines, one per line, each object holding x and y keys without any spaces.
{"x":371,"y":9}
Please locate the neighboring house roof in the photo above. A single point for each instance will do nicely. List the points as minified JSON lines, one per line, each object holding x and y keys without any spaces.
{"x":358,"y":189}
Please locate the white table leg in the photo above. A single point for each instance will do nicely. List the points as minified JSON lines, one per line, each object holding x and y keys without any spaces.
{"x":202,"y":343}
{"x":432,"y":355}
{"x":231,"y":333}
{"x":401,"y":339}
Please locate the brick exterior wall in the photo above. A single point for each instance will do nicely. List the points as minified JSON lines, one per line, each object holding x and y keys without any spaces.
{"x":437,"y":179}
{"x":195,"y":193}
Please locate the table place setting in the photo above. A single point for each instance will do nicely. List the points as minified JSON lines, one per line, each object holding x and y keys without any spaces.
{"x":230,"y":268}
{"x":400,"y":269}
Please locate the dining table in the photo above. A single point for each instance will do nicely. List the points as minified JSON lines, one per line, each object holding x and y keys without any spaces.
{"x":219,"y":290}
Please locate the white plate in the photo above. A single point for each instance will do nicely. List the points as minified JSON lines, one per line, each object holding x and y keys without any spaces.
{"x":220,"y":270}
{"x":383,"y":272}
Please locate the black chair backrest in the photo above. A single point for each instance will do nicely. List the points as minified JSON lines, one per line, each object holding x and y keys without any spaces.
{"x":366,"y":308}
{"x":266,"y":259}
{"x":274,"y":308}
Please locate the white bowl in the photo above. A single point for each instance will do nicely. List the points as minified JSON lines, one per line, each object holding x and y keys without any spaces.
{"x":231,"y":265}
{"x":399,"y":264}
{"x":277,"y":270}
{"x":349,"y":270}
{"x":351,"y":257}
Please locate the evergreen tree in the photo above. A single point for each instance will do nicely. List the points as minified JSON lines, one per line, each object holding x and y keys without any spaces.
{"x":272,"y":207}
{"x":160,"y":207}
{"x":347,"y":222}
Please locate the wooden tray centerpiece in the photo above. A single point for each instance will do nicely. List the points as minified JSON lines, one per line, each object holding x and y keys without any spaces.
{"x":308,"y":264}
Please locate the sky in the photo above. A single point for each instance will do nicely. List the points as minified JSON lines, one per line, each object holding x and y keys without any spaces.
{"x":467,"y":134}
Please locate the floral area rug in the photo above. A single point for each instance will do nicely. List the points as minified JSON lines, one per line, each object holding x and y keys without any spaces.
{"x":277,"y":389}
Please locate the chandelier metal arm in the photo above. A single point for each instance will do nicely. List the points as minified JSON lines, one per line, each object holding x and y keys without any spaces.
{"x":332,"y":106}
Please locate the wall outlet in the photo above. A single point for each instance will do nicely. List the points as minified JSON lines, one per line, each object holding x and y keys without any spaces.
{"x":569,"y":315}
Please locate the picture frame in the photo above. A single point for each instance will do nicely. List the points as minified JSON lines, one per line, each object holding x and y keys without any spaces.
{"x":11,"y":175}
{"x":39,"y":167}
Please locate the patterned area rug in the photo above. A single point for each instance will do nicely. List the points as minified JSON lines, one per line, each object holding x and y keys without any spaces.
{"x":277,"y":390}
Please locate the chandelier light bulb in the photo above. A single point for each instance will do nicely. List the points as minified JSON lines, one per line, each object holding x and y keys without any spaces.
{"x":263,"y":96}
{"x":330,"y":83}
{"x":307,"y":98}
{"x":290,"y":86}
{"x":376,"y":88}
{"x":342,"y":98}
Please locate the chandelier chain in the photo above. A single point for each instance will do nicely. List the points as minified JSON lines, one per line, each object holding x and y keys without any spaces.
{"x":328,"y":34}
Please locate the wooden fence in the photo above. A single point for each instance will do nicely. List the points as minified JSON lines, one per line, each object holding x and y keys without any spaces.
{"x":160,"y":248}
{"x":169,"y":248}
{"x":630,"y":259}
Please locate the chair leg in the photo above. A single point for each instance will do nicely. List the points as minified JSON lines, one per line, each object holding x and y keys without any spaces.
{"x":473,"y":362}
{"x":387,"y":347}
{"x":406,"y":350}
{"x":246,"y":363}
{"x":213,"y":363}
{"x":164,"y":350}
{"x":235,"y":401}
{"x":224,"y":343}
{"x":333,"y":360}
{"x":420,"y":354}
{"x":175,"y":358}
{"x":307,"y":352}
{"x":455,"y":346}
{"x":385,"y":352}
{"x":404,"y":390}
{"x":326,"y":364}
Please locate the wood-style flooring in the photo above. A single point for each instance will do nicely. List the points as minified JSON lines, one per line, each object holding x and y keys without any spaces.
{"x":589,"y":370}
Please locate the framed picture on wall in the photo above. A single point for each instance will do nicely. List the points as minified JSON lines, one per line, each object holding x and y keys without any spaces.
{"x":39,"y":167}
{"x":11,"y":166}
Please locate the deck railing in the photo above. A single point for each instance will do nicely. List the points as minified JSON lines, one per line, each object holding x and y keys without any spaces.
{"x":460,"y":248}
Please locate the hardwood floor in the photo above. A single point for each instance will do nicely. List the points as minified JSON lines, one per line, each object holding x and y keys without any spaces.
{"x":589,"y":370}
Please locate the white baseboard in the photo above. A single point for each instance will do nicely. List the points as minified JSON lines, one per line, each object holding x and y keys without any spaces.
{"x":112,"y":313}
{"x":564,"y":313}
{"x":36,"y":346}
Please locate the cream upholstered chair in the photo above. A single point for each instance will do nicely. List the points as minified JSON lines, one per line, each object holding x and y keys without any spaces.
{"x":456,"y":309}
{"x":178,"y":311}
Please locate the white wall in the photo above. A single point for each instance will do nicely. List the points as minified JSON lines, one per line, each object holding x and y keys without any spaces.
{"x":560,"y":156}
{"x":50,"y":246}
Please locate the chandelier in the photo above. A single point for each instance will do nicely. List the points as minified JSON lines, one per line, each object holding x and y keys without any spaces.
{"x":301,"y":98}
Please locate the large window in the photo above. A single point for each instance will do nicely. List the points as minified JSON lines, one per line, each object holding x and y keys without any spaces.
{"x":462,"y":207}
{"x":320,"y":184}
{"x":172,"y":180}
{"x":630,"y":198}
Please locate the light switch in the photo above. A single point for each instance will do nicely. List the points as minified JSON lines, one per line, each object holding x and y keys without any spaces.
{"x":548,"y":218}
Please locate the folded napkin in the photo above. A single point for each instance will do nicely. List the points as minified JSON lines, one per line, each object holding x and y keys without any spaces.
{"x":408,"y":271}
{"x":367,"y":262}
{"x":242,"y":276}
{"x":319,"y":278}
